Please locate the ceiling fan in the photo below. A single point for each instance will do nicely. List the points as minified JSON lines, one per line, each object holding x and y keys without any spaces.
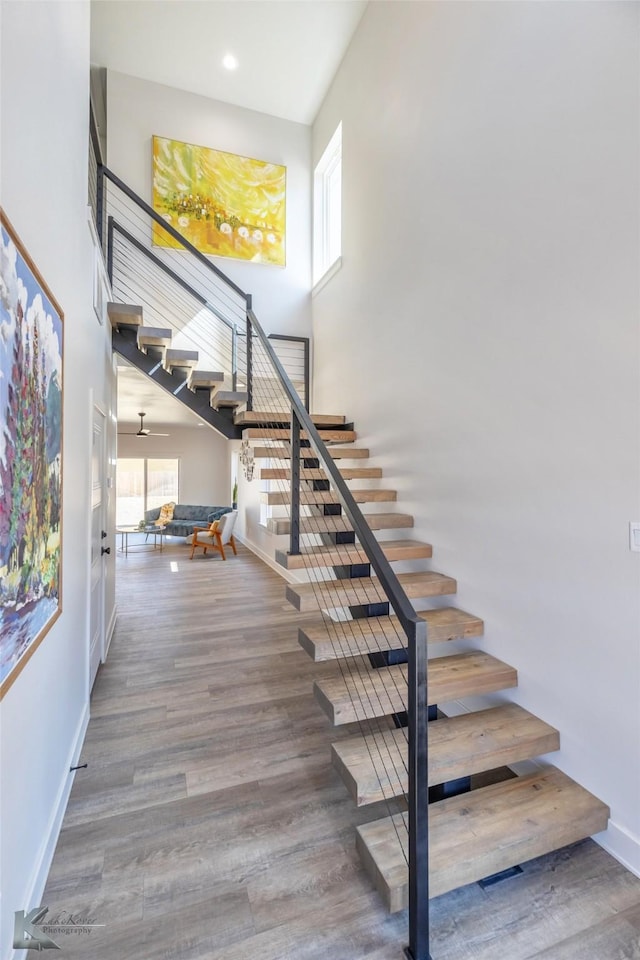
{"x":143,"y":431}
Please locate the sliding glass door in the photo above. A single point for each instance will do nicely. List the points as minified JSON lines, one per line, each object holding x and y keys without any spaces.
{"x":142,"y":484}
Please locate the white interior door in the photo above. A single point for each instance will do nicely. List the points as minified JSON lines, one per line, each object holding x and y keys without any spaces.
{"x":98,"y":540}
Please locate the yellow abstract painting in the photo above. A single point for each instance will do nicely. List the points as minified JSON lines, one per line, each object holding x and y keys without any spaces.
{"x":224,"y":204}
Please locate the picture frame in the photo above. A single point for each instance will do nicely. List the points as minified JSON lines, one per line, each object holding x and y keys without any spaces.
{"x":224,"y":204}
{"x":31,"y":445}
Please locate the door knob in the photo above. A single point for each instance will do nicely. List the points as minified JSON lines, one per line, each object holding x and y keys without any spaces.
{"x":104,"y":550}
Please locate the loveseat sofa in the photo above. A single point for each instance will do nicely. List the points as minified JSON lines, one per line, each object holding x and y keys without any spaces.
{"x":186,"y":516}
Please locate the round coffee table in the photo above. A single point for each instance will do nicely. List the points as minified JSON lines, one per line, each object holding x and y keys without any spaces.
{"x":125,"y":531}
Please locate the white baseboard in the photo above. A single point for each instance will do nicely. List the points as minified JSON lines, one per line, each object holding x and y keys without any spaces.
{"x":110,"y":628}
{"x":269,"y":560}
{"x":35,"y":887}
{"x":622,"y":845}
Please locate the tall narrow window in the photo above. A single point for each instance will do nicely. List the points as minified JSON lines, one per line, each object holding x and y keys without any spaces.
{"x":327,"y":208}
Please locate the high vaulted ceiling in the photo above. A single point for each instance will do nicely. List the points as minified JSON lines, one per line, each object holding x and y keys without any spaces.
{"x":287,"y":50}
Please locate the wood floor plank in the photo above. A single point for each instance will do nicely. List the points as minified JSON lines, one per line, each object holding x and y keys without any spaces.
{"x":265,"y":867}
{"x":619,"y":936}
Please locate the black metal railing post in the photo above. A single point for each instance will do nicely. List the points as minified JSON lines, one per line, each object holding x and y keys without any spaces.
{"x":287,"y":338}
{"x":306,"y":374}
{"x":249,"y":363}
{"x":294,"y":534}
{"x":418,"y":794}
{"x":234,"y":358}
{"x":110,"y":249}
{"x":100,"y":204}
{"x":415,"y":630}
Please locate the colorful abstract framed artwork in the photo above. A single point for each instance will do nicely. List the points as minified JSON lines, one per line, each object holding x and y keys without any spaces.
{"x":223,"y":204}
{"x":31,"y":402}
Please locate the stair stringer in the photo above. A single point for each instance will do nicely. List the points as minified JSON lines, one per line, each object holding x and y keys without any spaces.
{"x":175,"y":386}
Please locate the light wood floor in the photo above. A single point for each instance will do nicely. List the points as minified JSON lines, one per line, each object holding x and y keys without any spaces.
{"x":210,"y":824}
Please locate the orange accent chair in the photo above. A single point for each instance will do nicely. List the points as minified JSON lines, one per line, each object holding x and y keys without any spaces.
{"x":217,"y":536}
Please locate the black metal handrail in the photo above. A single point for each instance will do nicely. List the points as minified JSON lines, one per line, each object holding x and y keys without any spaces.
{"x":117,"y":227}
{"x":415,"y":629}
{"x":286,"y":338}
{"x":200,"y":257}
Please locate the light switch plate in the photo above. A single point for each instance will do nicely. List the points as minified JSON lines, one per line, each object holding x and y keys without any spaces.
{"x":634,"y":536}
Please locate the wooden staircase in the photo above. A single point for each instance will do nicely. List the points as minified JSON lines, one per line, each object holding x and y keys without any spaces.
{"x":476,"y":833}
{"x":175,"y":370}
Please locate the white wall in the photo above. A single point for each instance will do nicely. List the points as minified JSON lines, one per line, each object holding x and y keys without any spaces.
{"x":138,"y":109}
{"x":204,"y":460}
{"x":44,"y":131}
{"x":483,"y":333}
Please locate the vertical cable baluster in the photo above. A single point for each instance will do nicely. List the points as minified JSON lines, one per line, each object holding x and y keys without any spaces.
{"x":249,"y":403}
{"x":234,"y":358}
{"x":110,"y":250}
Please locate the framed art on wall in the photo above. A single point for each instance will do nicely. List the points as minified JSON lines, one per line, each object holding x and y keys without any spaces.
{"x":224,"y":204}
{"x":31,"y":402}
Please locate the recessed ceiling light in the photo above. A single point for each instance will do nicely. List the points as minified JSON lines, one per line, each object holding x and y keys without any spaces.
{"x":229,"y":61}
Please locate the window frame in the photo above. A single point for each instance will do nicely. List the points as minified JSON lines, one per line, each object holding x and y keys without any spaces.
{"x":327,"y":211}
{"x":145,"y":479}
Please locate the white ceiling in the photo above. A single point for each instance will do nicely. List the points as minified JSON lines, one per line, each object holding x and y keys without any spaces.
{"x":288,"y":50}
{"x":137,"y":392}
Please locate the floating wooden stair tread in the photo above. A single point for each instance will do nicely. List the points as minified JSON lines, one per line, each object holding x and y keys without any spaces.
{"x":124,"y":314}
{"x":280,"y":498}
{"x":336,"y":453}
{"x":376,"y":521}
{"x":375,"y":767}
{"x":180,"y":358}
{"x":278,"y":433}
{"x":226,"y":398}
{"x":154,"y":336}
{"x":257,"y":418}
{"x":201,"y":379}
{"x":328,"y":594}
{"x":349,"y":553}
{"x":330,"y":640}
{"x":480,"y":833}
{"x":347,"y":473}
{"x":365,"y":693}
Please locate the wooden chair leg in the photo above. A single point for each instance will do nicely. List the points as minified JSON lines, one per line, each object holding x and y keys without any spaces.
{"x":194,"y":544}
{"x":233,"y":545}
{"x":219,"y":544}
